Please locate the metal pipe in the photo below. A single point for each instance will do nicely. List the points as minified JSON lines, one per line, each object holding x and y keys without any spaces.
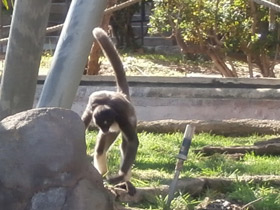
{"x":27,"y":34}
{"x":1,"y":46}
{"x":268,"y":4}
{"x":71,"y":53}
{"x":182,"y":156}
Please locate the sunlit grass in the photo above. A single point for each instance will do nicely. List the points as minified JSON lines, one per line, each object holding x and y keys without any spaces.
{"x":156,"y":159}
{"x":266,"y":197}
{"x":45,"y":63}
{"x":157,"y":153}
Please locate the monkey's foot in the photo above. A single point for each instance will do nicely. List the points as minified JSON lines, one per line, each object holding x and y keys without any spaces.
{"x":127,"y":186}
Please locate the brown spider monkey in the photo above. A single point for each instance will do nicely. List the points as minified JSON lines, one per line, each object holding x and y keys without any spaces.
{"x":112,"y":112}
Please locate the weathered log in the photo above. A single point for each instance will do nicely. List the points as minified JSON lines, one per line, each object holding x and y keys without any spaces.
{"x":193,"y":186}
{"x":267,"y":149}
{"x":233,"y":127}
{"x":269,"y":141}
{"x":190,"y":185}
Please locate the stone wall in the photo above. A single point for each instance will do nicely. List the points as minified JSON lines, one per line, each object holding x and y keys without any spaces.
{"x":158,"y":98}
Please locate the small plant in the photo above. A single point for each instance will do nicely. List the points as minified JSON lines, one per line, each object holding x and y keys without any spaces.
{"x":45,"y":64}
{"x":184,"y":202}
{"x":261,"y":196}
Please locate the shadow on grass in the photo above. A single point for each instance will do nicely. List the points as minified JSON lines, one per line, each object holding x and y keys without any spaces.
{"x":167,"y":167}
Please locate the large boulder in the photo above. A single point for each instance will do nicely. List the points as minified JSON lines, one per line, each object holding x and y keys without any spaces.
{"x":44,"y":166}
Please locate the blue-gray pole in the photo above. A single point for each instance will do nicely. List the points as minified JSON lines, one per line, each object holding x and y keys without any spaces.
{"x":71,"y":53}
{"x":182,"y":156}
{"x":23,"y":55}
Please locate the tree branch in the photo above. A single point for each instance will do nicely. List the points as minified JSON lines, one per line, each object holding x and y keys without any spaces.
{"x":106,"y":11}
{"x":121,"y":6}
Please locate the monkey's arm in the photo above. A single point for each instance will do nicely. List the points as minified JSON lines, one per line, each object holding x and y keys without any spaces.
{"x":129,"y":149}
{"x":87,"y":117}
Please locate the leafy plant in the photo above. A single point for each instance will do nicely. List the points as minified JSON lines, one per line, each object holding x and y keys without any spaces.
{"x":183,"y":201}
{"x":224,"y":30}
{"x":6,"y":4}
{"x":262,"y":196}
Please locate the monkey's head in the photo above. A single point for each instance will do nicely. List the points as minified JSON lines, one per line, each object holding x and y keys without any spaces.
{"x":104,"y":117}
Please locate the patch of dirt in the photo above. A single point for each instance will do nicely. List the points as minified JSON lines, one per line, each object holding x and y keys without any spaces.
{"x":144,"y":67}
{"x":135,"y":66}
{"x":219,"y":204}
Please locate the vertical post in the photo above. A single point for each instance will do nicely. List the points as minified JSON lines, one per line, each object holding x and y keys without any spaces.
{"x":143,"y":19}
{"x":182,"y":156}
{"x":23,"y":55}
{"x":1,"y":48}
{"x":71,"y":53}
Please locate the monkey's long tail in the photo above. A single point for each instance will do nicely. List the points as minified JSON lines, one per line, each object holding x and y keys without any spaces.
{"x":111,"y":53}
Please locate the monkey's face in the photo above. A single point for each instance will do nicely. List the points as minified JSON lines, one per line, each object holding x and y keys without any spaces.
{"x":105,"y":125}
{"x":104,"y":118}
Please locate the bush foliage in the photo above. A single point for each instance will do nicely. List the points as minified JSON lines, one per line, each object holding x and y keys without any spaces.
{"x":224,"y":30}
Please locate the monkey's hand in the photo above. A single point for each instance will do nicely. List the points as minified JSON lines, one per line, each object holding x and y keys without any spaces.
{"x":116,"y":179}
{"x":119,"y":182}
{"x":128,"y":186}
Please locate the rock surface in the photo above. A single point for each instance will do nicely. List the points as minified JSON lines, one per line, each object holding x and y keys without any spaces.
{"x":44,"y":166}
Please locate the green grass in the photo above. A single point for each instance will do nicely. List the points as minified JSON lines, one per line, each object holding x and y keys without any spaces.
{"x":156,"y":160}
{"x":175,"y":59}
{"x":45,"y":63}
{"x":247,"y":192}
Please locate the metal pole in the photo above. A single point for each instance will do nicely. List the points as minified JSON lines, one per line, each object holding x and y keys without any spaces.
{"x":71,"y":53}
{"x":182,"y":156}
{"x":23,"y":55}
{"x":1,"y":46}
{"x":143,"y":19}
{"x":268,"y":4}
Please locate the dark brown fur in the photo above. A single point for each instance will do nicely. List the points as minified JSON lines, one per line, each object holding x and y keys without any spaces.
{"x":105,"y":108}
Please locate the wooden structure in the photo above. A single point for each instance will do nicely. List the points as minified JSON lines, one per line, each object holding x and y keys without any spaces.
{"x":58,"y":12}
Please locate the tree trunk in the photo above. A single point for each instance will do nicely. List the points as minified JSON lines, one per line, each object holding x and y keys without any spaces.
{"x":215,"y":57}
{"x":232,"y":67}
{"x":220,"y":64}
{"x":250,"y":65}
{"x":263,"y":62}
{"x":93,"y":65}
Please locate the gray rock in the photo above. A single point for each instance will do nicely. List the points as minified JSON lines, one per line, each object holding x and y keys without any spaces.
{"x":84,"y":196}
{"x":43,"y":160}
{"x":52,"y":199}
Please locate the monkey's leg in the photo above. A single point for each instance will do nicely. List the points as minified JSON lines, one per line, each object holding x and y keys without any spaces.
{"x":128,"y":157}
{"x":86,"y":117}
{"x":123,"y":149}
{"x":128,"y":149}
{"x":103,"y":143}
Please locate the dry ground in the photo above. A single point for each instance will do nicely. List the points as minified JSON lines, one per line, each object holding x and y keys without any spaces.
{"x":136,"y":66}
{"x":142,"y":66}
